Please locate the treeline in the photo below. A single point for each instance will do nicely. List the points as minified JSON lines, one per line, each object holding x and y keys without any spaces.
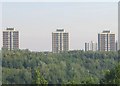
{"x":73,"y":66}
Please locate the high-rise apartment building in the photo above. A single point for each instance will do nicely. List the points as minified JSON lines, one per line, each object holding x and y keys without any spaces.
{"x":60,"y":41}
{"x":119,"y":25}
{"x":116,"y":46}
{"x":86,"y":46}
{"x":106,"y":41}
{"x":10,"y":39}
{"x":93,"y":46}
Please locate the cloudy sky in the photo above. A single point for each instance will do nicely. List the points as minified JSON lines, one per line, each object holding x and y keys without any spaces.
{"x":37,"y":20}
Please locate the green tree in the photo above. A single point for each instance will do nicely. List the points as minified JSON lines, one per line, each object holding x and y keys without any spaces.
{"x":112,"y":76}
{"x":37,"y":78}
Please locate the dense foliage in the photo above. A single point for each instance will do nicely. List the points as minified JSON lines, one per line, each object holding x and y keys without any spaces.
{"x":37,"y":78}
{"x":112,"y":76}
{"x":68,"y":67}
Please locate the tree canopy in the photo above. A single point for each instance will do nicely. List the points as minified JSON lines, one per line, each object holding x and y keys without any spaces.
{"x":112,"y":76}
{"x":76,"y":66}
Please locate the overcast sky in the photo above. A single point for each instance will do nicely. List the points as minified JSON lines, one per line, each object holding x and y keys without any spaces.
{"x":37,"y":20}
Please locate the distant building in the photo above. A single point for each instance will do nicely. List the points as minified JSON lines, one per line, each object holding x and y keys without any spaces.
{"x":10,"y":39}
{"x":116,"y":46}
{"x":93,"y":46}
{"x":106,"y":41}
{"x":86,"y":46}
{"x":119,"y":25}
{"x":60,"y":41}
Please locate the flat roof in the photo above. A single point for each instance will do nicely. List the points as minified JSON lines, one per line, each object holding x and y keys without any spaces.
{"x":10,"y":29}
{"x":61,"y":30}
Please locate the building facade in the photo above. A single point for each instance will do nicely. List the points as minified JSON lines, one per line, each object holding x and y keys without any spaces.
{"x":86,"y":46}
{"x":116,"y":46}
{"x":119,"y":25}
{"x":106,"y":41}
{"x":60,"y":41}
{"x":93,"y":46}
{"x":10,"y":39}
